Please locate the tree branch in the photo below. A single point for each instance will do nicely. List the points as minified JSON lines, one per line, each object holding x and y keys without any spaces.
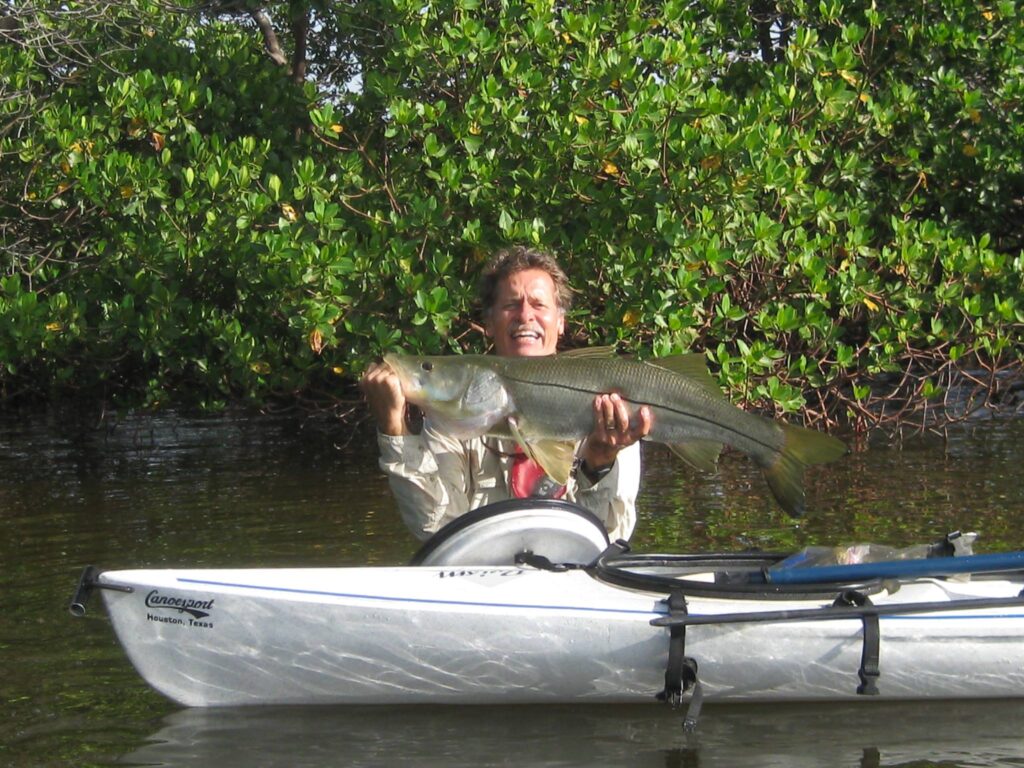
{"x":300,"y":31}
{"x":269,"y":36}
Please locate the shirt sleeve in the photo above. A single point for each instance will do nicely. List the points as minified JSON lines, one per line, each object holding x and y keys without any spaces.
{"x":612,"y":499}
{"x":428,"y":475}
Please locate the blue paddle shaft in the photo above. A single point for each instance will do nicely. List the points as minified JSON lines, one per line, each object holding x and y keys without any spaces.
{"x":895,"y":569}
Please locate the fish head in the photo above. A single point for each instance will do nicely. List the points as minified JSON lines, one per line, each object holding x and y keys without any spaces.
{"x":429,"y":379}
{"x":460,"y":394}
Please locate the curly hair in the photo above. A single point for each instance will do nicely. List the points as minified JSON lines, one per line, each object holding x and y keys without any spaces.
{"x":508,"y":261}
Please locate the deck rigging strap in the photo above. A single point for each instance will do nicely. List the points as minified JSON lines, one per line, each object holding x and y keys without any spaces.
{"x":532,"y":559}
{"x":681,"y":671}
{"x":870,"y":670}
{"x":541,"y":563}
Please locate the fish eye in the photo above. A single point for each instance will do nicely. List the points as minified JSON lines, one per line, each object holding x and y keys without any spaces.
{"x":427,"y":366}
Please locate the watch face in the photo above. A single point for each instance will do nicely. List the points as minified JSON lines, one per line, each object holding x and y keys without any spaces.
{"x":594,"y":475}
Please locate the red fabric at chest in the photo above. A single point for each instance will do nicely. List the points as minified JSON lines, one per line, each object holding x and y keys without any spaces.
{"x":527,"y":480}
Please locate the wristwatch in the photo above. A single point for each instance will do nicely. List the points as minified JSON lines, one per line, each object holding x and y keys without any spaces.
{"x":594,"y":475}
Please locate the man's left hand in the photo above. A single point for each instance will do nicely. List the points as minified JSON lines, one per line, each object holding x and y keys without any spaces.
{"x":614,"y":429}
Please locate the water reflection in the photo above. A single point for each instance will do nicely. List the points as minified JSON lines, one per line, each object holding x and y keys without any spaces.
{"x":900,"y":496}
{"x":173,"y":490}
{"x":868,"y":734}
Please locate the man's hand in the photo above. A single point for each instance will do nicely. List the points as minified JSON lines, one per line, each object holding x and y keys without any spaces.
{"x":383,"y":392}
{"x":613,"y":431}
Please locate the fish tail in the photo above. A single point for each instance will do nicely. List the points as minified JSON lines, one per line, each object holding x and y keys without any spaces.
{"x":800,"y":449}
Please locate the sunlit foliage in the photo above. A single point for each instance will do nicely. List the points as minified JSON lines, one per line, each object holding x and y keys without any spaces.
{"x":243,"y":201}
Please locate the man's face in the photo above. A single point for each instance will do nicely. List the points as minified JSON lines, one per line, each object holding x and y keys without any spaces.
{"x":526,"y":320}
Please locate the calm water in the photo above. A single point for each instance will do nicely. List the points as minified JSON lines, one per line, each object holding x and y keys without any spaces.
{"x":179,"y":491}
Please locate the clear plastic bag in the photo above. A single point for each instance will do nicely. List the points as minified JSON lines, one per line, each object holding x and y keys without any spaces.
{"x":955,"y":544}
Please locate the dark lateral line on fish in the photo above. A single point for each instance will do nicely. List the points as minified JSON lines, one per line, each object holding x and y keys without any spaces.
{"x":694,"y":416}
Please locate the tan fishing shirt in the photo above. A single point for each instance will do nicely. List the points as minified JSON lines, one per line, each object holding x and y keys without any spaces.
{"x":436,"y":478}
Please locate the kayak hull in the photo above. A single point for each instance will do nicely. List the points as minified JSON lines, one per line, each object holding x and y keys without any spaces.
{"x":516,"y":634}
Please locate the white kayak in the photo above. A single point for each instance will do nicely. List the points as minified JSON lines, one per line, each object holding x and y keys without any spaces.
{"x":613,"y":628}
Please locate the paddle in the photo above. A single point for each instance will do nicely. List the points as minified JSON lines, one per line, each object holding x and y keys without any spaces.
{"x":896,"y":569}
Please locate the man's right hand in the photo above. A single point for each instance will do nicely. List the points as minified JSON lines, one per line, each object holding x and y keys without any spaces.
{"x":383,"y":392}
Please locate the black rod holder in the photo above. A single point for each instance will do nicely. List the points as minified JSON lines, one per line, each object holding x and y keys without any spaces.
{"x":87,"y":582}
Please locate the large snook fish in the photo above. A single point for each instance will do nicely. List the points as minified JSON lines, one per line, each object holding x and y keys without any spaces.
{"x":546,"y":403}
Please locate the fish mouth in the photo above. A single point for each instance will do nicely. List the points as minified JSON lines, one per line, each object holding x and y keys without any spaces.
{"x":407,"y":377}
{"x":392,"y":362}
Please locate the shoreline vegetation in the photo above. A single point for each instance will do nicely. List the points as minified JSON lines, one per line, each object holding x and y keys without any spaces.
{"x":217,"y":204}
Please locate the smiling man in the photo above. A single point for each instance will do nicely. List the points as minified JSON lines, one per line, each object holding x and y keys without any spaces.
{"x":524,"y":310}
{"x":436,"y":478}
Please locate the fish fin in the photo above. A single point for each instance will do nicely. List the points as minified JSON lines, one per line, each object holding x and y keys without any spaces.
{"x":513,"y":428}
{"x":555,"y":457}
{"x":691,"y":366}
{"x":800,"y":448}
{"x":702,"y":454}
{"x":586,"y":352}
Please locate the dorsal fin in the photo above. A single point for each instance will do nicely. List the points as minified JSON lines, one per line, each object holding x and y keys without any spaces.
{"x":692,"y":366}
{"x":589,"y":352}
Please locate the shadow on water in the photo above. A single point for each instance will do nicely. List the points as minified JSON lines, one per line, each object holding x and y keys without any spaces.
{"x":173,"y":490}
{"x":790,"y":736}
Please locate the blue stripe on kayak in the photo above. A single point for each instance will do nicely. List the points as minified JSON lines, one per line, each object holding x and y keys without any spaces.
{"x":933,"y":617}
{"x":421,"y":601}
{"x":471,"y":604}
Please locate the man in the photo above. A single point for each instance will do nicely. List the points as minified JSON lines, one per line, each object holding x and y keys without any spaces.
{"x":436,"y":478}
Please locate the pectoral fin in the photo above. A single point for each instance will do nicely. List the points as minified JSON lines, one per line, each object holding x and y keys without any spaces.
{"x":702,"y":454}
{"x":553,"y":456}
